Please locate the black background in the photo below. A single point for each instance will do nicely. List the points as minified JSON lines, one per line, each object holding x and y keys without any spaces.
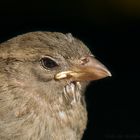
{"x":111,"y":29}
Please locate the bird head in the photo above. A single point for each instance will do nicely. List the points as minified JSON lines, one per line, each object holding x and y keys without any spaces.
{"x":50,"y":63}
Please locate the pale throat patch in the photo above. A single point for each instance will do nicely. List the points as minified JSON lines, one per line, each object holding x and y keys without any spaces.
{"x":72,"y":92}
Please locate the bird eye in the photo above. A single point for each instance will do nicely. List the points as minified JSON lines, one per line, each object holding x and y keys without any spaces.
{"x":48,"y":62}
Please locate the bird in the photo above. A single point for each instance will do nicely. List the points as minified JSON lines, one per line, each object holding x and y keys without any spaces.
{"x":43,"y":79}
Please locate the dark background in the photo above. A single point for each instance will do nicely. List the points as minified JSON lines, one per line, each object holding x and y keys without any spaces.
{"x":111,"y":29}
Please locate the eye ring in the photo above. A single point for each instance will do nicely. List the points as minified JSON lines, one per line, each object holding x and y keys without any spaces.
{"x":48,"y":62}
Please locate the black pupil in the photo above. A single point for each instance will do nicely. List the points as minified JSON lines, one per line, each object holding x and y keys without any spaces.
{"x":48,"y":63}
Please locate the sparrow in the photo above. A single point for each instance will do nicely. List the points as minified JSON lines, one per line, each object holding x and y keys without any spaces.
{"x":43,"y":77}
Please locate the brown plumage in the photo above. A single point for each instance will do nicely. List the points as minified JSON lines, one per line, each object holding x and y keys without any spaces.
{"x":43,"y":76}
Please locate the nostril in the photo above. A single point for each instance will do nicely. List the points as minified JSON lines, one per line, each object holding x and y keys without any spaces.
{"x":84,"y":60}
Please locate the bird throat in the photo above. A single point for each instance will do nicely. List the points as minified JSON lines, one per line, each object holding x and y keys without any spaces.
{"x":72,"y":93}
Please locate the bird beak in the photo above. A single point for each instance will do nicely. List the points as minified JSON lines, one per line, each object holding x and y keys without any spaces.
{"x":89,"y":69}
